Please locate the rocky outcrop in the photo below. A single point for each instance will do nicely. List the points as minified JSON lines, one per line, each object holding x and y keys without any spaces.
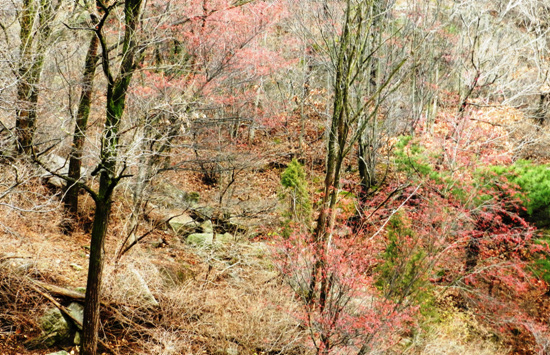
{"x":58,"y":165}
{"x":178,"y":211}
{"x":182,"y":224}
{"x":200,"y":238}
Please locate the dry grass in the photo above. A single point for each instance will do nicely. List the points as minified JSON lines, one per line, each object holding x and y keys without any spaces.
{"x":219,"y":299}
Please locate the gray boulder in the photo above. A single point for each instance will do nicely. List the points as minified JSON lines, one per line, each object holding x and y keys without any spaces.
{"x":76,"y":310}
{"x":182,"y":224}
{"x":136,"y":289}
{"x":200,"y":238}
{"x":207,"y":226}
{"x":58,"y":165}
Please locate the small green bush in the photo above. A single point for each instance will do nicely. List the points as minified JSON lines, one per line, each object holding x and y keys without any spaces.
{"x":403,"y":273}
{"x":534,"y":181}
{"x":411,"y":157}
{"x":295,"y":191}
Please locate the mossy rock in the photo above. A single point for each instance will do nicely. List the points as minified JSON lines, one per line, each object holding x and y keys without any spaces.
{"x":200,"y":238}
{"x":55,"y":330}
{"x":207,"y":226}
{"x":225,"y":238}
{"x":53,"y":322}
{"x":176,"y":273}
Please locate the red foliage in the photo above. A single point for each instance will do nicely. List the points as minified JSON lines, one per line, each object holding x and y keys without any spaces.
{"x":460,"y":229}
{"x":212,"y":52}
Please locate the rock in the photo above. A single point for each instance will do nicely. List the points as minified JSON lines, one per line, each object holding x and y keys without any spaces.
{"x":76,"y":310}
{"x":225,"y":238}
{"x":55,"y":329}
{"x":137,"y":288}
{"x":174,"y":273}
{"x":76,"y":267}
{"x":207,"y":227}
{"x":20,"y":265}
{"x":59,"y":165}
{"x":182,"y":224}
{"x":200,"y":238}
{"x":54,"y":322}
{"x":77,"y":339}
{"x":208,"y":238}
{"x":203,"y":213}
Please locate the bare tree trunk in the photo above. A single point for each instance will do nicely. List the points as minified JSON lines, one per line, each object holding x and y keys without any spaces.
{"x":31,"y":62}
{"x":79,"y":136}
{"x":337,"y":138}
{"x":90,"y":325}
{"x":348,"y":122}
{"x":117,"y":88}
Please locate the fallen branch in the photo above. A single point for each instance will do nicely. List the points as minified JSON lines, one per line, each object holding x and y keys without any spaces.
{"x":60,"y":291}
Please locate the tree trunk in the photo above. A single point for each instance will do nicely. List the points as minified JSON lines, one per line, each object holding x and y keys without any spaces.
{"x":79,"y":136}
{"x":93,"y":286}
{"x":107,"y":183}
{"x":30,"y":68}
{"x":116,"y":102}
{"x":337,"y":137}
{"x":25,"y":123}
{"x":367,"y":147}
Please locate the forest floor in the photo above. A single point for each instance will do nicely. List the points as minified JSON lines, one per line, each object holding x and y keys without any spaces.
{"x":224,"y":298}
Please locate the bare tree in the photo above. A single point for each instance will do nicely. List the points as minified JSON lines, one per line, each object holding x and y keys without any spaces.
{"x":109,"y":174}
{"x":36,"y":20}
